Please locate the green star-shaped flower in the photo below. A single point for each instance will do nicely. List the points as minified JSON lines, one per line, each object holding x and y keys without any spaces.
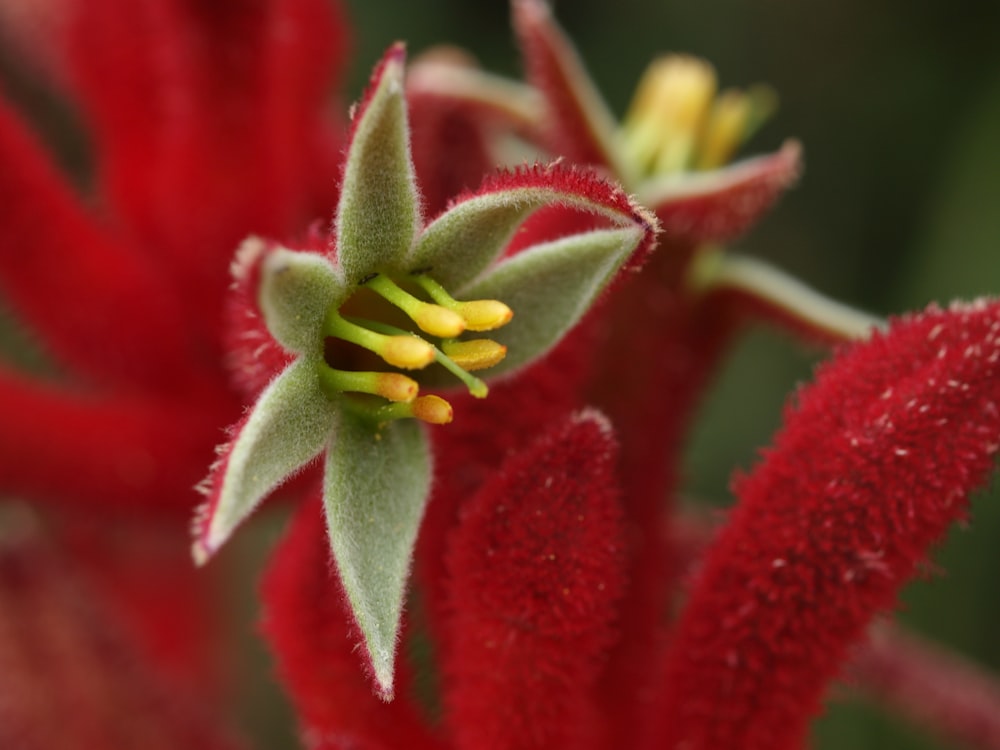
{"x":382,"y":294}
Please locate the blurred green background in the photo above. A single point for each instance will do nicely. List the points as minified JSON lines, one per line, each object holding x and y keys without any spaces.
{"x":898,"y":106}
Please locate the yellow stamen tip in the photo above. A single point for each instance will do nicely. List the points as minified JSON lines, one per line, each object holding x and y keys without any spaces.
{"x":432,"y":409}
{"x":477,"y":354}
{"x":485,"y":314}
{"x":396,"y":387}
{"x":662,"y":126}
{"x":408,"y":352}
{"x":439,"y":321}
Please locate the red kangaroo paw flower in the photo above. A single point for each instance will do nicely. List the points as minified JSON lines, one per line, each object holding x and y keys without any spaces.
{"x":672,"y":340}
{"x":875,"y":461}
{"x":535,"y":569}
{"x":101,"y":309}
{"x":484,"y":432}
{"x":721,"y":205}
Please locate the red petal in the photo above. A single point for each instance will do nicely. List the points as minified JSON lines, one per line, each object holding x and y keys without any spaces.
{"x":578,"y":125}
{"x":70,"y":680}
{"x":253,"y":356}
{"x":535,"y":569}
{"x":310,"y":628}
{"x":659,"y":349}
{"x":721,"y":205}
{"x":132,"y":455}
{"x":210,"y":120}
{"x":450,"y":149}
{"x":99,"y":307}
{"x":875,"y":462}
{"x":469,"y":451}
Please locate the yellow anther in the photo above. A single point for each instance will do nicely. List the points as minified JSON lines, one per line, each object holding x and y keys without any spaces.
{"x":396,"y":387}
{"x":389,"y":385}
{"x":432,"y":409}
{"x":442,"y":317}
{"x":477,"y":354}
{"x":438,"y":321}
{"x":432,"y":319}
{"x":484,"y":314}
{"x":664,"y":122}
{"x":408,"y":352}
{"x":734,"y":117}
{"x":479,"y":315}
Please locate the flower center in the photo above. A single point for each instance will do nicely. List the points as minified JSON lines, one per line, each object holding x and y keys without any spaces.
{"x":410,"y":325}
{"x":678,"y":122}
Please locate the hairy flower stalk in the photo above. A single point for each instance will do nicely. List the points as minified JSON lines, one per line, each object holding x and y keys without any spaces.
{"x":535,"y":570}
{"x":927,"y":684}
{"x":856,"y":488}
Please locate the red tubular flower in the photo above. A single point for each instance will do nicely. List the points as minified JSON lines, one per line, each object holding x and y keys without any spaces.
{"x":113,"y":317}
{"x":535,"y":568}
{"x":845,"y":505}
{"x":232,"y":138}
{"x":210,"y":121}
{"x":483,"y":434}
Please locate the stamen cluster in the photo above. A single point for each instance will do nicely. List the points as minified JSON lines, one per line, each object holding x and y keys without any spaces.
{"x":443,"y":318}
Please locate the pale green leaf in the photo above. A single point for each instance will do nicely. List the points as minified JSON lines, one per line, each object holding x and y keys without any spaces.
{"x":288,"y":427}
{"x":378,"y":216}
{"x":549,"y":287}
{"x":376,"y":486}
{"x":296,"y":291}
{"x":462,"y":242}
